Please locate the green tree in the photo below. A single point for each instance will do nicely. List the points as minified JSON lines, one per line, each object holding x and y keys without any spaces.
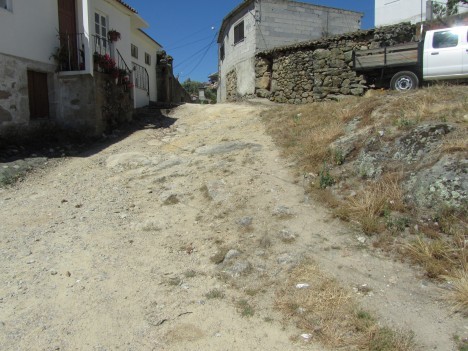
{"x":192,"y":87}
{"x":449,"y":9}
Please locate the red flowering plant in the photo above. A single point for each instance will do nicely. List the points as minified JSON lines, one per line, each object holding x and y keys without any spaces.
{"x":107,"y":64}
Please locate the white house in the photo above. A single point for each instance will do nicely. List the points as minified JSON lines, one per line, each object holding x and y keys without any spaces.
{"x":47,"y":53}
{"x":389,"y":12}
{"x":257,"y":25}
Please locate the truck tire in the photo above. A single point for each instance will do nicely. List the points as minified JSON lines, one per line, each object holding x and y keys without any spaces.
{"x":404,"y":81}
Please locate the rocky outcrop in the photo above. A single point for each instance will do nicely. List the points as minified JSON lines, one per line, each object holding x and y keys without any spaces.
{"x":321,"y":70}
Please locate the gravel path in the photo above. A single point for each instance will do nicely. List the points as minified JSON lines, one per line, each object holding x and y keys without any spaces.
{"x":117,"y":250}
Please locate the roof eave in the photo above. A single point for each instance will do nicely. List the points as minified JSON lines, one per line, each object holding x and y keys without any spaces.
{"x":231,"y":14}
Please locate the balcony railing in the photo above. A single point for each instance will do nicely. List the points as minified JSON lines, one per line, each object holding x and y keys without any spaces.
{"x":70,"y":56}
{"x":101,"y":46}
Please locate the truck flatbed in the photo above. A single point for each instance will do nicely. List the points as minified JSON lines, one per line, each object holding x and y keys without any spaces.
{"x":391,"y":56}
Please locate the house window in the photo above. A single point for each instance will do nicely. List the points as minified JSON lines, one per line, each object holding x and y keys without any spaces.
{"x":221,"y":52}
{"x":100,"y":29}
{"x":134,"y":51}
{"x":147,"y":59}
{"x":239,"y":32}
{"x":5,"y":4}
{"x":445,"y":39}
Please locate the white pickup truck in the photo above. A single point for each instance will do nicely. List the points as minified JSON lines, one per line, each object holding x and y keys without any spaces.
{"x":442,"y":55}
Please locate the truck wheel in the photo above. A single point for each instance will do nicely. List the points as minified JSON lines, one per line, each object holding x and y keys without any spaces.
{"x":404,"y":81}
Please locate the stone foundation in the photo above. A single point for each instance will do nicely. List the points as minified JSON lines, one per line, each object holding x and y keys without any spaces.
{"x":79,"y":103}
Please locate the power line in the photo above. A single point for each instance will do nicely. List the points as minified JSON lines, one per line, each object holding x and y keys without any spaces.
{"x":204,"y":54}
{"x":191,"y":43}
{"x":206,"y":47}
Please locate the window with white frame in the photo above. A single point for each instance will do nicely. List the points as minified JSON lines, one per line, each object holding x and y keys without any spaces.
{"x":101,"y":29}
{"x":134,"y":51}
{"x":5,"y":4}
{"x":147,"y":59}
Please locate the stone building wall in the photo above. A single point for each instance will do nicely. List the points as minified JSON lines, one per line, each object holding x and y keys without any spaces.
{"x":14,"y":101}
{"x":322,"y":69}
{"x":231,"y":86}
{"x":78,"y":103}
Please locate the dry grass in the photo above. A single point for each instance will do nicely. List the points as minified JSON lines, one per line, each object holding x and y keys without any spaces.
{"x":436,"y":256}
{"x":371,"y":203}
{"x":306,"y":132}
{"x":332,"y":316}
{"x":458,"y":296}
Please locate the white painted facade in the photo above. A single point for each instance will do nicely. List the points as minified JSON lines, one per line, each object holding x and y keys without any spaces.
{"x":147,"y":49}
{"x":389,"y":12}
{"x":239,"y":55}
{"x":30,"y":34}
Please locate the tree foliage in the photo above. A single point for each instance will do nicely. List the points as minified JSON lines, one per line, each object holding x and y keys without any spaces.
{"x":448,"y":9}
{"x":193,"y":87}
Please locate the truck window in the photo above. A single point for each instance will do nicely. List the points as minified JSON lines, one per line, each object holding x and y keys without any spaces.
{"x":445,"y":39}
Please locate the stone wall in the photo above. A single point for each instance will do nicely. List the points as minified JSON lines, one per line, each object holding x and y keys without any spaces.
{"x":231,"y":86}
{"x":14,"y":101}
{"x":170,"y":91}
{"x":322,"y":69}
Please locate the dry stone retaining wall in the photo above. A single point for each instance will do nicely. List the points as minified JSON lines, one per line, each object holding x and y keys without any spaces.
{"x":321,"y":70}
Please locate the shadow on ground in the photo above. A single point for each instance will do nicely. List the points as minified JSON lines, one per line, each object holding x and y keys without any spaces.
{"x":20,"y":156}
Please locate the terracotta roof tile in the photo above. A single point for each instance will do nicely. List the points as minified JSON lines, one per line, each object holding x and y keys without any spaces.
{"x":127,"y":6}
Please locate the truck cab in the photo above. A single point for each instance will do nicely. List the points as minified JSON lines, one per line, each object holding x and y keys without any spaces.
{"x":442,"y":55}
{"x":446,"y":54}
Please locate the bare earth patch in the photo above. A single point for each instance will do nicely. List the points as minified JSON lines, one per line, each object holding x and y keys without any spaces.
{"x":190,"y":238}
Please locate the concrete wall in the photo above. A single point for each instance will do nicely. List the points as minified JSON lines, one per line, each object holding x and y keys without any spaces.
{"x":396,"y":11}
{"x":286,"y":22}
{"x":240,"y":56}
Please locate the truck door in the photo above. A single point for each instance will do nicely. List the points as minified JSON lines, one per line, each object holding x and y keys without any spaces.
{"x":465,"y":50}
{"x":443,"y":54}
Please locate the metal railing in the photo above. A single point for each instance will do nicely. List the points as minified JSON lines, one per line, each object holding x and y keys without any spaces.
{"x":141,"y":77}
{"x":121,"y":64}
{"x":70,"y":55}
{"x":101,"y":46}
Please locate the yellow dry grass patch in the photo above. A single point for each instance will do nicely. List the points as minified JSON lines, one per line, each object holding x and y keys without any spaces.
{"x":458,"y":296}
{"x":306,"y":132}
{"x":331,"y":315}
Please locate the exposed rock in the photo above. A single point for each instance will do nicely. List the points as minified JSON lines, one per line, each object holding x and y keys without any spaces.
{"x":418,"y":142}
{"x":443,"y":184}
{"x":227,"y":147}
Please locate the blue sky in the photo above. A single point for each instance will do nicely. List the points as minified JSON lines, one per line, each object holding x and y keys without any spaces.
{"x":184,"y":29}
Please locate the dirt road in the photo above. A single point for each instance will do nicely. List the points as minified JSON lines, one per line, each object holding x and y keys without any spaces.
{"x":175,"y":239}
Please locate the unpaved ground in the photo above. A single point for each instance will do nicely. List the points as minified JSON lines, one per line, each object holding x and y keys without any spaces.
{"x":112,"y":250}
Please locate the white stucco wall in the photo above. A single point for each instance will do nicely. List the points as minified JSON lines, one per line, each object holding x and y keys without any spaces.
{"x":239,"y":56}
{"x":396,"y":11}
{"x":30,"y":29}
{"x":146,"y":45}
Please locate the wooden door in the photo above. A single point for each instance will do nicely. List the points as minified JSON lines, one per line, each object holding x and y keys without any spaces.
{"x":38,"y":95}
{"x":68,"y":34}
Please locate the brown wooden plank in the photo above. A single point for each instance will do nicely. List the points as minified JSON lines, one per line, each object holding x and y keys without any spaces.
{"x":38,"y":95}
